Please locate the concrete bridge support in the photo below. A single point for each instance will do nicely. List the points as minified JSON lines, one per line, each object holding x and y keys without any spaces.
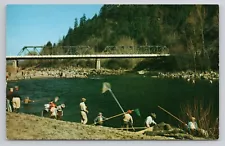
{"x":98,"y":64}
{"x":15,"y":63}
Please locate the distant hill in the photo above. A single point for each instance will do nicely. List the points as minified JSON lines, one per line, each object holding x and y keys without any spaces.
{"x":192,"y":30}
{"x":145,"y":25}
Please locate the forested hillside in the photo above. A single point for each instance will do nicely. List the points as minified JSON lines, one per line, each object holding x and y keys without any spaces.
{"x":189,"y":31}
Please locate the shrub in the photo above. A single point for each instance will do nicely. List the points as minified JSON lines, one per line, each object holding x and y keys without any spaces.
{"x":204,"y":114}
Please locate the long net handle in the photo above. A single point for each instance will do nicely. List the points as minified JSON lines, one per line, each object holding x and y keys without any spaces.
{"x":112,"y":117}
{"x":133,"y":128}
{"x":171,"y":115}
{"x":116,"y":100}
{"x":109,"y":118}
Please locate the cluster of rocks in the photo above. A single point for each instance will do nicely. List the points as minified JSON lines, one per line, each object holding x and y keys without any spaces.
{"x":191,"y":76}
{"x":66,"y":72}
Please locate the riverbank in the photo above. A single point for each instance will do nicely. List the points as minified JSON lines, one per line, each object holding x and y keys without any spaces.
{"x":75,"y":72}
{"x":22,"y":126}
{"x":66,"y":72}
{"x":189,"y":76}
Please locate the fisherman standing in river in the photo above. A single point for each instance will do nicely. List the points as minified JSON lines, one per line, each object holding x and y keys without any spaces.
{"x":27,"y":100}
{"x":26,"y":103}
{"x":83,"y":111}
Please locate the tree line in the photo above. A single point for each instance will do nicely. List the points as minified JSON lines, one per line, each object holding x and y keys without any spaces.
{"x":191,"y":32}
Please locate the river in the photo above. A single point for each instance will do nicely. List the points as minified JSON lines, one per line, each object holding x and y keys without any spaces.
{"x":132,"y":91}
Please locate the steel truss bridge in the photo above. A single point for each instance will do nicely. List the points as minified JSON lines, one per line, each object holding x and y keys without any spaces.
{"x":76,"y":52}
{"x":82,"y":52}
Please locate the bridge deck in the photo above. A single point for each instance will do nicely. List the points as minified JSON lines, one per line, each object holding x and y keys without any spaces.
{"x":86,"y":56}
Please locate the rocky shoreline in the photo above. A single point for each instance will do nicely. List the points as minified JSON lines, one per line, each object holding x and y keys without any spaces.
{"x":189,"y":76}
{"x":68,"y":72}
{"x":74,"y":72}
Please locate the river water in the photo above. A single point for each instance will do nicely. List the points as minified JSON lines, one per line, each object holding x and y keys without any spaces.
{"x":132,"y":91}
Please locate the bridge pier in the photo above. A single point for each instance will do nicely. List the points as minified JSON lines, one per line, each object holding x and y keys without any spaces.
{"x":15,"y":63}
{"x":98,"y":64}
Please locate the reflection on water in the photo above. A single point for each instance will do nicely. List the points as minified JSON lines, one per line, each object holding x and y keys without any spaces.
{"x":132,"y":91}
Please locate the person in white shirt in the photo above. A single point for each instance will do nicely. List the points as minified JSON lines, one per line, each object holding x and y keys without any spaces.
{"x":83,"y":111}
{"x":149,"y":120}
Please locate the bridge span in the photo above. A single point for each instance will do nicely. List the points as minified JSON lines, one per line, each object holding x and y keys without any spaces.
{"x":97,"y":56}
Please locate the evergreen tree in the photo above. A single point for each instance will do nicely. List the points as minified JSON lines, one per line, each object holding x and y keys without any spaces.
{"x":75,"y":23}
{"x":82,"y":20}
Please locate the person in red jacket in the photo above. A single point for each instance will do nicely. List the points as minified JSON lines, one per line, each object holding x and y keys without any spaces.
{"x":52,"y":107}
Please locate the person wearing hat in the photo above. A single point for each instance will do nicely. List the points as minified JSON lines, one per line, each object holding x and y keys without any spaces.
{"x":149,"y":120}
{"x":99,"y":119}
{"x":83,"y":111}
{"x":127,"y":120}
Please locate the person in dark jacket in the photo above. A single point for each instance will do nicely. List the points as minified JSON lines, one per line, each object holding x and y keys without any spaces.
{"x":9,"y":98}
{"x":16,"y":91}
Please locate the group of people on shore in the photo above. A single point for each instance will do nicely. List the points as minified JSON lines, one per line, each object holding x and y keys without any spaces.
{"x":53,"y":109}
{"x":13,"y":100}
{"x":127,"y":118}
{"x":191,"y":126}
